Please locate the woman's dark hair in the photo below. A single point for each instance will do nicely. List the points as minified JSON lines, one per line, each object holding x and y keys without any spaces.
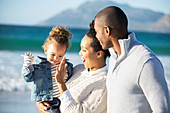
{"x":95,"y":44}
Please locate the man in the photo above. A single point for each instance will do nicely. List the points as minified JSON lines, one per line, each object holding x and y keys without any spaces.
{"x":135,"y":80}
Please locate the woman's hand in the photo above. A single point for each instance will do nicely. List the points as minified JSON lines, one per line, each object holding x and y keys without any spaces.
{"x":43,"y":107}
{"x":60,"y":75}
{"x":61,"y":72}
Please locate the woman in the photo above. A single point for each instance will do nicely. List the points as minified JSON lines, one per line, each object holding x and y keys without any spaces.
{"x":85,"y":92}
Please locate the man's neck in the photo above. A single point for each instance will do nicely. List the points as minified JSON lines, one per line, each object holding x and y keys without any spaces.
{"x":116,"y":46}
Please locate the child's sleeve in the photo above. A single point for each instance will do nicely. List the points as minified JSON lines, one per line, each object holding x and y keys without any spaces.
{"x":27,"y":69}
{"x":28,"y":60}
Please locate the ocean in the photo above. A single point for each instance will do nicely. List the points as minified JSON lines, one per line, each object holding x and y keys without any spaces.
{"x":16,"y":40}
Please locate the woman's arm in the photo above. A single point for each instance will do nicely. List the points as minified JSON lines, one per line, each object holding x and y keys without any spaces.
{"x":94,"y":101}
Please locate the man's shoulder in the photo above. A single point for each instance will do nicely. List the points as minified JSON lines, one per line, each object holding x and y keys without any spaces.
{"x":141,"y":50}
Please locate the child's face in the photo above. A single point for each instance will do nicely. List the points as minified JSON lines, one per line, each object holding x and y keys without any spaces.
{"x":55,"y":53}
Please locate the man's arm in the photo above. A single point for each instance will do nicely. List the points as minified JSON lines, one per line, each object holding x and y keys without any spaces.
{"x":154,"y":86}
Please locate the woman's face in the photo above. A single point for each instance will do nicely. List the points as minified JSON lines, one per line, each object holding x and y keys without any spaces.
{"x":87,"y":53}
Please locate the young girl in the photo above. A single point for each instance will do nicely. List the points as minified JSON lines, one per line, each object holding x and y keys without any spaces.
{"x":43,"y":74}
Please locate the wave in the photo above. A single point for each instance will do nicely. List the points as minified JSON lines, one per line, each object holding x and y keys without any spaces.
{"x":14,"y":84}
{"x":10,"y":68}
{"x":11,"y":64}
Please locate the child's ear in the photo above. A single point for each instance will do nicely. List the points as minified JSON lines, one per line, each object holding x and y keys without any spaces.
{"x":45,"y":51}
{"x":99,"y":54}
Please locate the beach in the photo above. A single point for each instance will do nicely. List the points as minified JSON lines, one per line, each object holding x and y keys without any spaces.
{"x":15,"y":93}
{"x":17,"y":102}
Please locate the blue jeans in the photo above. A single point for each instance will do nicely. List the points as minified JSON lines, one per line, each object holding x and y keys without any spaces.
{"x":54,"y":106}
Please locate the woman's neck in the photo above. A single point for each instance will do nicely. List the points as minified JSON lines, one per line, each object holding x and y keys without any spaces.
{"x":96,"y":67}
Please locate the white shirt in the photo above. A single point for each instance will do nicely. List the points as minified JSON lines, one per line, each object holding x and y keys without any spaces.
{"x":135,"y":80}
{"x":86,"y":92}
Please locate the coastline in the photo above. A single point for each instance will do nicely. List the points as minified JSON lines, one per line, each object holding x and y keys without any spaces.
{"x":17,"y":102}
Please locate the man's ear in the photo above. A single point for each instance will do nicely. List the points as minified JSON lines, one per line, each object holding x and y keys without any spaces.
{"x":99,"y":54}
{"x":107,"y":31}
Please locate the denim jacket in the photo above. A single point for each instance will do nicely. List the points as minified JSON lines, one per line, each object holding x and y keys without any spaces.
{"x":40,"y":75}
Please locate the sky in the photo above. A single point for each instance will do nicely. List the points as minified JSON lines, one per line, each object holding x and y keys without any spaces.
{"x":30,"y":12}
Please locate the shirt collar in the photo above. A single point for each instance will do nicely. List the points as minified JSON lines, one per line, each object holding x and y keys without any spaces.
{"x":125,"y":45}
{"x":103,"y":69}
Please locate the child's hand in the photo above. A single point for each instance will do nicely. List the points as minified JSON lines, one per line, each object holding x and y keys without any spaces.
{"x":28,"y":54}
{"x":28,"y":59}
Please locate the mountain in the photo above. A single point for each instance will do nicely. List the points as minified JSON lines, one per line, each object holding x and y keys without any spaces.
{"x":139,"y":19}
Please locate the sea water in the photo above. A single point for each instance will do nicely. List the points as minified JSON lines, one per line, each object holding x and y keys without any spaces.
{"x":16,"y":40}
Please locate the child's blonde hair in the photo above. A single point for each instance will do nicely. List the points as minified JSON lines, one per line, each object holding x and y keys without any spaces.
{"x":59,"y":35}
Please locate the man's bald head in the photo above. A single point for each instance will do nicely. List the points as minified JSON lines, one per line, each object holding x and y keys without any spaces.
{"x":114,"y":18}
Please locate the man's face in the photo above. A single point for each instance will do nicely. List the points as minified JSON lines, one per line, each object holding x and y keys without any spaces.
{"x":101,"y":34}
